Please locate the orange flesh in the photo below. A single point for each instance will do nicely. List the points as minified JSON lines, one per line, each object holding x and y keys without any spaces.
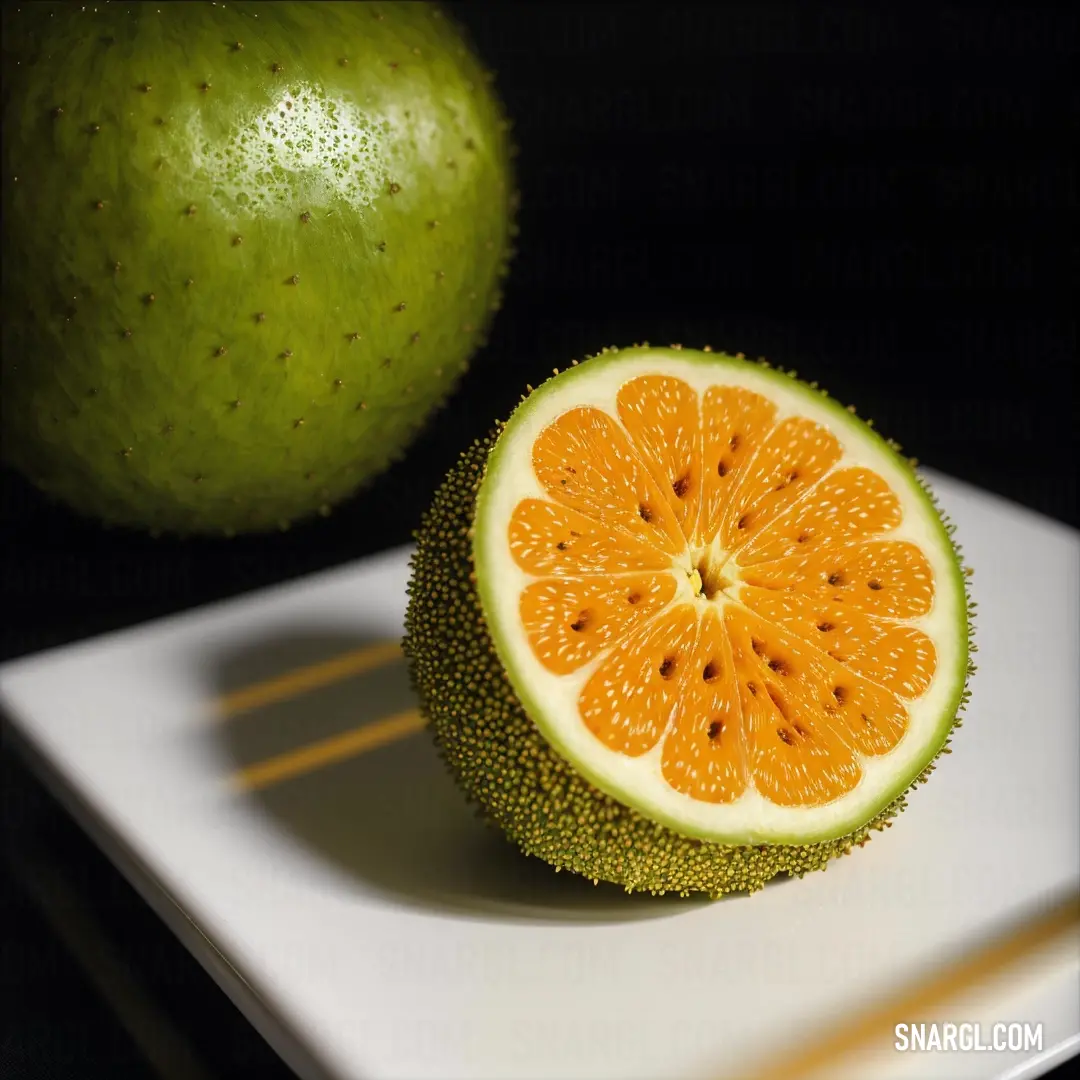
{"x":789,"y":659}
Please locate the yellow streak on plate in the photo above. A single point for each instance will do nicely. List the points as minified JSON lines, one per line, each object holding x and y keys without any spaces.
{"x":305,"y":679}
{"x":877,"y":1024}
{"x":328,"y":751}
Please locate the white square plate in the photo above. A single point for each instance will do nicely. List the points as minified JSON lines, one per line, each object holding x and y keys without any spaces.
{"x":370,"y":927}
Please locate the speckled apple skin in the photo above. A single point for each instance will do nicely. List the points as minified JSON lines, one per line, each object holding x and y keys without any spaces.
{"x":248,"y":248}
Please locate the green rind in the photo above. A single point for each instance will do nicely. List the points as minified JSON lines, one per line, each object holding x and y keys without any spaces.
{"x":129,"y":410}
{"x":513,"y":769}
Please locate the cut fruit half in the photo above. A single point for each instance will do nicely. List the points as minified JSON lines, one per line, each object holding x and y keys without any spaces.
{"x":684,"y":623}
{"x":720,"y":596}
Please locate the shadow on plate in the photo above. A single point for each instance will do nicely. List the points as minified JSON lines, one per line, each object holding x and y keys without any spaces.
{"x":390,"y":815}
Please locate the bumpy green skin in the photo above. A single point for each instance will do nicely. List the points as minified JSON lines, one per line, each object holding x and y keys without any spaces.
{"x":316,"y":196}
{"x":516,"y":778}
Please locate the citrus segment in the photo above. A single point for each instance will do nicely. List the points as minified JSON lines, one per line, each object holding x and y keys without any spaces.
{"x":808,"y":685}
{"x":888,"y":578}
{"x":570,"y":621}
{"x":631,"y":698}
{"x":585,"y":461}
{"x":734,"y":422}
{"x":549,"y":539}
{"x":848,"y":504}
{"x":798,"y":757}
{"x":705,"y":752}
{"x":795,"y":454}
{"x":899,"y":657}
{"x":661,"y":416}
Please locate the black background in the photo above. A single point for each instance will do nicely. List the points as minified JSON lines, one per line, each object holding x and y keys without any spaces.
{"x":878,"y":196}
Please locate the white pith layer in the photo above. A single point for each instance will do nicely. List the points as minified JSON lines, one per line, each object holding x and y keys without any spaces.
{"x":552,"y":700}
